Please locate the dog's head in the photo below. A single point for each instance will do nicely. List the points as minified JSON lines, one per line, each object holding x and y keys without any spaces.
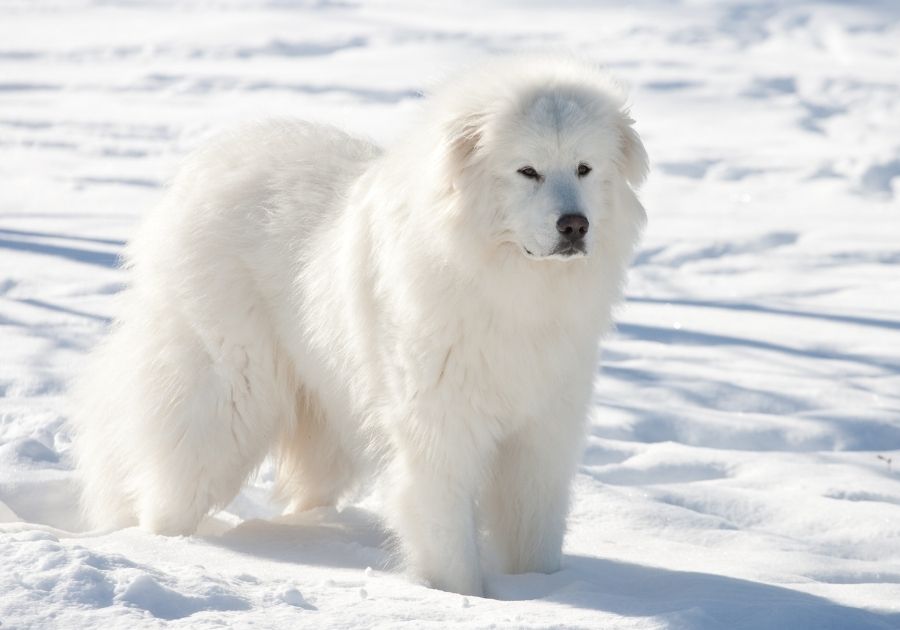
{"x":545,"y":160}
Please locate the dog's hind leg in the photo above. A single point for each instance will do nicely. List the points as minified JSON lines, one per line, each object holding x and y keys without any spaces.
{"x":313,"y":467}
{"x":194,"y":408}
{"x":234,"y":394}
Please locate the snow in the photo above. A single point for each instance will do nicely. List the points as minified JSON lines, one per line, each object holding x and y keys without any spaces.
{"x":743,"y":463}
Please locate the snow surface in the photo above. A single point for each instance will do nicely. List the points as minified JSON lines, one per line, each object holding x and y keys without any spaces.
{"x":743,"y":465}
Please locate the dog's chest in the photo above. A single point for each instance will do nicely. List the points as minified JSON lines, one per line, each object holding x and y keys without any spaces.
{"x":505,"y":370}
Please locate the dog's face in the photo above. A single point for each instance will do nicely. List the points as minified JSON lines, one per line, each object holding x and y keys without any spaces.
{"x":548,"y":164}
{"x":558,"y":158}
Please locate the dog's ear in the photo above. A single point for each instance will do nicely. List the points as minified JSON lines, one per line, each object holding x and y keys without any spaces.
{"x":462,"y":139}
{"x":633,"y":161}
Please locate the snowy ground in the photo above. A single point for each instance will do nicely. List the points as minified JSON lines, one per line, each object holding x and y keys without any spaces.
{"x":738,"y":469}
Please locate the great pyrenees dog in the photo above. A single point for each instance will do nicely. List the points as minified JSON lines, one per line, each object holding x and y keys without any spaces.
{"x":430,"y":313}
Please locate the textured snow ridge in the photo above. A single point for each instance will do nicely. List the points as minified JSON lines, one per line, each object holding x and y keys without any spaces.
{"x":742,"y":468}
{"x":56,"y":580}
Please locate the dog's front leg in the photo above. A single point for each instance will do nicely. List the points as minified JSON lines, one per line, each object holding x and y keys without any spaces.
{"x":527,"y":499}
{"x":432,"y":505}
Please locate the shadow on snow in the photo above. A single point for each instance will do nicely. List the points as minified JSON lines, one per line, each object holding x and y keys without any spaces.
{"x":354,"y":538}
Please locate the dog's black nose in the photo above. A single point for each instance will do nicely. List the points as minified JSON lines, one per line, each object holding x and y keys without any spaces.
{"x":572,"y":227}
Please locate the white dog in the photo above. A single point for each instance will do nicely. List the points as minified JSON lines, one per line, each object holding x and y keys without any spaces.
{"x":432,"y":311}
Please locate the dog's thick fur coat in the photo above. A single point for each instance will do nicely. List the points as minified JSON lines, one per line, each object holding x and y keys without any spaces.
{"x":416,"y":311}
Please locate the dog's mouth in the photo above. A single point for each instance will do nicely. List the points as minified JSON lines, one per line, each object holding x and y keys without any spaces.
{"x":562,"y":251}
{"x":569,"y":249}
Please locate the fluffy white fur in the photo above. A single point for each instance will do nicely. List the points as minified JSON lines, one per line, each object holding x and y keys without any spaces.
{"x":303,"y":293}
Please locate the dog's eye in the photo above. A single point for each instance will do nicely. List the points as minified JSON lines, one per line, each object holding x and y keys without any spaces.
{"x":529,"y":172}
{"x":583,"y":169}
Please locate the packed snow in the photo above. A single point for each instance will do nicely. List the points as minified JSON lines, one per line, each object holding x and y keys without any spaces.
{"x":742,"y":467}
